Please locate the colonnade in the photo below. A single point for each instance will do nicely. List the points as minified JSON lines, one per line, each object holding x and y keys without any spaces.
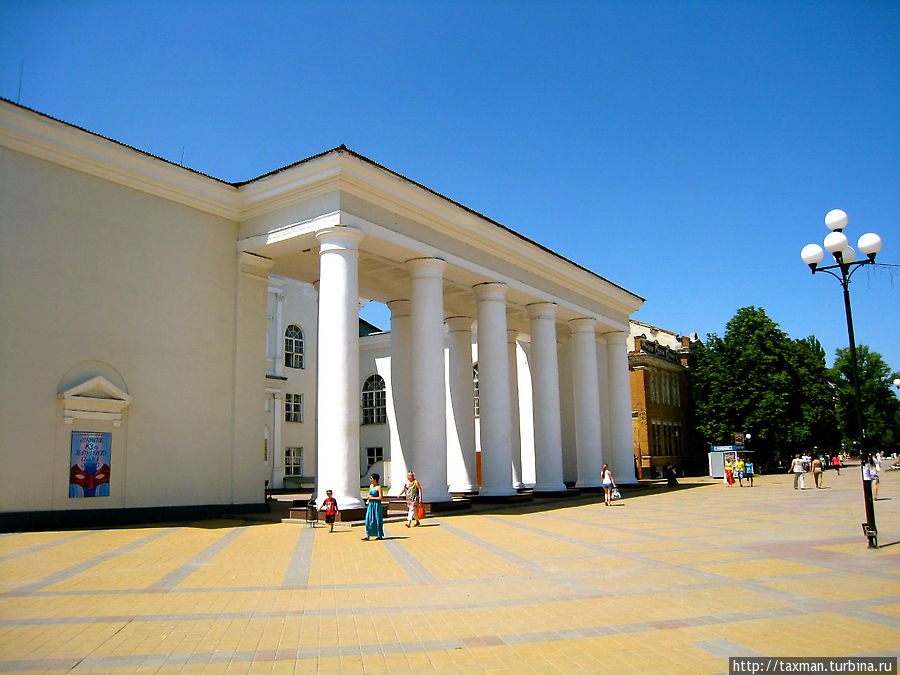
{"x":444,"y":458}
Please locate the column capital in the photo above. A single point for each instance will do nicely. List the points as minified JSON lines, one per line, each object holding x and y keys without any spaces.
{"x":490,"y":290}
{"x":542,"y":310}
{"x":459,"y":323}
{"x":583,"y":325}
{"x":339,"y":238}
{"x":398,"y":308}
{"x":616,"y":337}
{"x":426,"y":268}
{"x":511,"y":335}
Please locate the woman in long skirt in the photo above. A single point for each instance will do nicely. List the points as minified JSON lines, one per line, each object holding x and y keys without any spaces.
{"x":374,"y":514}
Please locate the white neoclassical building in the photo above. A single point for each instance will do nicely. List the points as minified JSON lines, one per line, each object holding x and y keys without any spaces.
{"x":170,"y":340}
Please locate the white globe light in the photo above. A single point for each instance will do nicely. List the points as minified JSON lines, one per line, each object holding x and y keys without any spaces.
{"x":869,"y":244}
{"x":836,"y":241}
{"x":848,"y":255}
{"x":812,"y":254}
{"x":836,"y":219}
{"x":897,"y":383}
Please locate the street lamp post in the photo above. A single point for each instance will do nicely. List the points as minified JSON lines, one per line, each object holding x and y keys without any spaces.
{"x":846,"y":264}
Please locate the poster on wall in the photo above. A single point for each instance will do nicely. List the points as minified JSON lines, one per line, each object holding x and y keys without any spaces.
{"x":89,"y":472}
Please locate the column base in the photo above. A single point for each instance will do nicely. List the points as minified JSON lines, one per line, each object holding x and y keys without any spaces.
{"x":463,"y":489}
{"x":551,"y":487}
{"x":514,"y":498}
{"x":497,"y":492}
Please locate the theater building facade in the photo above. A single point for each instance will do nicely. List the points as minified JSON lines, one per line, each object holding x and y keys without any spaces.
{"x":171,"y":340}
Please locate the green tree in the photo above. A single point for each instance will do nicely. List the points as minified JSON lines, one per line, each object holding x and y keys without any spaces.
{"x":879,"y":406}
{"x":756,"y":379}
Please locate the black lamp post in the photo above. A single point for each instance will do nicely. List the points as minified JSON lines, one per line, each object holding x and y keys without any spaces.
{"x":846,"y":264}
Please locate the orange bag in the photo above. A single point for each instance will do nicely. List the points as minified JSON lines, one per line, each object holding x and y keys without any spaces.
{"x":420,"y":512}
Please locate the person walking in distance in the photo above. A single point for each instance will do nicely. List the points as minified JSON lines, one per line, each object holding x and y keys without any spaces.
{"x":608,"y":482}
{"x":797,"y":470}
{"x":817,"y":471}
{"x":413,"y":492}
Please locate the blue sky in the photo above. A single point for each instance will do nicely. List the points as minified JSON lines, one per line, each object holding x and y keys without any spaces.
{"x":684,"y":150}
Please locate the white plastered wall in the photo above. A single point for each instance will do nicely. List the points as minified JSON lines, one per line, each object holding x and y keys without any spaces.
{"x":94,"y":271}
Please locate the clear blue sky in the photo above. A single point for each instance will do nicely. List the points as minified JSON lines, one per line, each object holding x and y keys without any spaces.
{"x":683,"y":150}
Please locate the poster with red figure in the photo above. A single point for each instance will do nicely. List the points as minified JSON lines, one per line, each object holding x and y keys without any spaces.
{"x":89,"y":466}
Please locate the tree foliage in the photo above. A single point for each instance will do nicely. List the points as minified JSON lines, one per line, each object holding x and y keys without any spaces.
{"x":879,"y":406}
{"x":758,"y":380}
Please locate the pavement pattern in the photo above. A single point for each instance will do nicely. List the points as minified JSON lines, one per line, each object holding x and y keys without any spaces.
{"x":664,"y":581}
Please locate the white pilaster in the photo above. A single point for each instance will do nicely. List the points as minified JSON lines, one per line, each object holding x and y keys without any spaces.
{"x":429,"y":412}
{"x":621,"y":456}
{"x":493,"y":382}
{"x":279,"y":333}
{"x":398,"y":395}
{"x":545,"y":397}
{"x":337,"y":431}
{"x":461,"y":465}
{"x":248,"y":470}
{"x":588,"y":431}
{"x":516,"y":434}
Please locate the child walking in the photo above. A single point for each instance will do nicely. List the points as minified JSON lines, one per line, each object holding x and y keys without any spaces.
{"x":330,"y":506}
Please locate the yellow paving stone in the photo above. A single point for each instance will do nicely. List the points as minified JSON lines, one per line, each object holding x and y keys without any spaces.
{"x":891,"y":609}
{"x":646,"y":546}
{"x":695,"y":556}
{"x":36,"y":566}
{"x":757,"y":569}
{"x":844,"y":588}
{"x":22,"y":541}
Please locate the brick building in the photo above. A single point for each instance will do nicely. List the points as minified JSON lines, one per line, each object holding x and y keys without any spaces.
{"x":661,"y":408}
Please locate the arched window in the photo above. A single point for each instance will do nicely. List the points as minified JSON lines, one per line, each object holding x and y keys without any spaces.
{"x":475,"y":380}
{"x":374,"y":404}
{"x":293,"y":347}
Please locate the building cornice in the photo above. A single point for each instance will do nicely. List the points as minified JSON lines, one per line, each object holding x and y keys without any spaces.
{"x":37,"y":135}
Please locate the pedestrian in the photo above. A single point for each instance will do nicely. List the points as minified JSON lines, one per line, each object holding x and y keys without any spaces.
{"x":729,"y":471}
{"x":670,"y":475}
{"x":748,"y":471}
{"x":817,"y":471}
{"x":330,"y":506}
{"x":374,"y":513}
{"x":797,"y":470}
{"x":739,"y":471}
{"x":413,"y":492}
{"x":609,"y":483}
{"x":836,"y":463}
{"x":870,"y":473}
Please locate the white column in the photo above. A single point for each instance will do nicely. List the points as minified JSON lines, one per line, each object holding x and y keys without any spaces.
{"x":429,"y":403}
{"x":461,"y":467}
{"x":588,"y":431}
{"x":493,"y":382}
{"x":516,"y":434}
{"x":621,"y":455}
{"x":337,"y":430}
{"x":545,"y":396}
{"x":398,"y":395}
{"x":603,"y":381}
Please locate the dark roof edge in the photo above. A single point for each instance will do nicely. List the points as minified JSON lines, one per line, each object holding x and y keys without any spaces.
{"x":340,"y":149}
{"x":113,"y":140}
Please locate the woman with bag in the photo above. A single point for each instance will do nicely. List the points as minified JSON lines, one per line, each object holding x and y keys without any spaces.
{"x":414,"y":502}
{"x":608,"y":483}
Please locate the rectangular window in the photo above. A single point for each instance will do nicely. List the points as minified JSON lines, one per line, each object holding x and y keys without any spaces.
{"x":293,"y":461}
{"x":374,"y":455}
{"x":293,"y":407}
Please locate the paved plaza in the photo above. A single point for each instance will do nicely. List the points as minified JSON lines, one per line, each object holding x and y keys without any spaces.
{"x":664,"y":581}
